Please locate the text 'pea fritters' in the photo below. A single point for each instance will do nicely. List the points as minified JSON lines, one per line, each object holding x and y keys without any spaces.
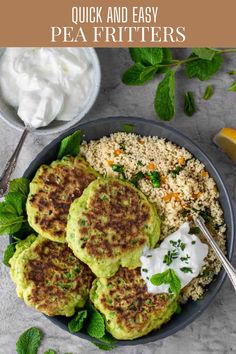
{"x":129,"y":310}
{"x":49,"y":277}
{"x":110,"y":224}
{"x":52,"y":191}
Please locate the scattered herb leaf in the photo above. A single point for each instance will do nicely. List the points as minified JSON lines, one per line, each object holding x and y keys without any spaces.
{"x":50,"y":351}
{"x":209,"y":91}
{"x":232,"y":72}
{"x":233,"y":87}
{"x":189,"y":104}
{"x":170,"y":256}
{"x":29,"y":341}
{"x":70,"y":145}
{"x":186,"y":270}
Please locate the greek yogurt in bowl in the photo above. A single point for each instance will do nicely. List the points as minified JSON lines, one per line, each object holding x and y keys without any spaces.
{"x":48,"y":89}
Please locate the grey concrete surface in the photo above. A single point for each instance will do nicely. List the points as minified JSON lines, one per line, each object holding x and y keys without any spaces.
{"x":215,"y":331}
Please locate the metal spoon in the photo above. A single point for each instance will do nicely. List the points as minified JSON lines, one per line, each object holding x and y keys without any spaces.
{"x":224,"y":261}
{"x":11,"y":164}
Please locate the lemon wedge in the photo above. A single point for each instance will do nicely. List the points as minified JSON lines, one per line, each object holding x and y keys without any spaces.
{"x":226,"y":140}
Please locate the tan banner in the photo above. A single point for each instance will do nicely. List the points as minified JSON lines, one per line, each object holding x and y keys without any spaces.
{"x":113,"y":23}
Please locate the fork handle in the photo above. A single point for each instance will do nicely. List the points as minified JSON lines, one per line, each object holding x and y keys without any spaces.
{"x":11,"y":164}
{"x":230,"y":270}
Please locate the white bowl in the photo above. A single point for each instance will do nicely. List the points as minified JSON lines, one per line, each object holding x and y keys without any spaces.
{"x":9,"y":114}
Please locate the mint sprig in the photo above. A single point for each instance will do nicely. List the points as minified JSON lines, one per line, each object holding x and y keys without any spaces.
{"x":29,"y":341}
{"x":77,"y":323}
{"x":96,"y":324}
{"x":167,"y":277}
{"x":203,"y":63}
{"x":164,"y":102}
{"x":13,"y":218}
{"x":70,"y":145}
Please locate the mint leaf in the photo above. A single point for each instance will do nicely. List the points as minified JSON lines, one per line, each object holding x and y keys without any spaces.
{"x":152,"y":56}
{"x":6,"y":208}
{"x":104,"y":346}
{"x":233,"y":87}
{"x":136,"y":54}
{"x":146,"y":56}
{"x":29,"y":341}
{"x":167,"y":277}
{"x":70,"y":145}
{"x":189,"y":104}
{"x":127,"y":128}
{"x":209,"y":91}
{"x":96,"y":324}
{"x":167,"y":59}
{"x":10,"y":223}
{"x":201,"y":68}
{"x":148,"y":73}
{"x":133,"y":75}
{"x":178,"y":310}
{"x":17,"y":201}
{"x":205,"y":53}
{"x":76,"y":324}
{"x":165,"y":97}
{"x":50,"y":351}
{"x":8,"y":253}
{"x":19,"y":185}
{"x":232,"y":72}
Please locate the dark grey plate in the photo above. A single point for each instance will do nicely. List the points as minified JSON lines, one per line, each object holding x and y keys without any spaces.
{"x":101,"y":127}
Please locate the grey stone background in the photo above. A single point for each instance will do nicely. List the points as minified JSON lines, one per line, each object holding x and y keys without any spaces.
{"x":215,"y":331}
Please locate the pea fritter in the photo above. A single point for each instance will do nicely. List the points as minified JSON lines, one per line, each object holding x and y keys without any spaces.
{"x":52,"y":191}
{"x":110,"y":224}
{"x":129,"y":310}
{"x":49,"y":277}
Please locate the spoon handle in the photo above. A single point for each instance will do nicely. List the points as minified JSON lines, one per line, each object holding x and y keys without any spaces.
{"x":230,"y":270}
{"x":11,"y":164}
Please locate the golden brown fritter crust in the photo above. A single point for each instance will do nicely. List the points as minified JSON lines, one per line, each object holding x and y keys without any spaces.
{"x":56,"y":281}
{"x":116,"y":208}
{"x":52,"y":191}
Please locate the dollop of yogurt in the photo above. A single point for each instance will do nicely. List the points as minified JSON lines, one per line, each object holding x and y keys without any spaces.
{"x":44,"y":84}
{"x":180,"y":251}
